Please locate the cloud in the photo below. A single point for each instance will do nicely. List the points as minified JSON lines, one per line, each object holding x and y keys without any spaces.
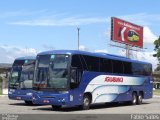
{"x":149,"y":36}
{"x":21,"y":13}
{"x":48,"y":47}
{"x":148,"y":57}
{"x":83,"y":48}
{"x":49,"y":18}
{"x":102,"y":51}
{"x":143,"y":19}
{"x":142,"y":56}
{"x":9,"y":53}
{"x":67,"y":21}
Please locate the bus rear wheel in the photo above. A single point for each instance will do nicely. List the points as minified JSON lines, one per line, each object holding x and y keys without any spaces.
{"x":134,"y":99}
{"x":86,"y":102}
{"x":139,"y":99}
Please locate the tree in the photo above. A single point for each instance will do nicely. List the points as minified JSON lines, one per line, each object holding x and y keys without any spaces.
{"x":157,"y":54}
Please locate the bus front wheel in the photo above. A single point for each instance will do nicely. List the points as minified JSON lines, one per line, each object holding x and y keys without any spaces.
{"x":86,"y":102}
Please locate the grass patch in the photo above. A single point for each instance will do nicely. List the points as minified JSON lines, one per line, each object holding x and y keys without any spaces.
{"x":0,"y":92}
{"x":156,"y":92}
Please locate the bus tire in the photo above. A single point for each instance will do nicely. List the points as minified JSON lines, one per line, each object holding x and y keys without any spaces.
{"x":134,"y":98}
{"x":139,"y":99}
{"x":56,"y":107}
{"x":28,"y":102}
{"x":86,"y":102}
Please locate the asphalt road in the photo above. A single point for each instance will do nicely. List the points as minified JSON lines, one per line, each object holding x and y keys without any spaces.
{"x":150,"y":106}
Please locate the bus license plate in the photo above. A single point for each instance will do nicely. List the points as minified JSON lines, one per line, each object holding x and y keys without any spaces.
{"x":18,"y":98}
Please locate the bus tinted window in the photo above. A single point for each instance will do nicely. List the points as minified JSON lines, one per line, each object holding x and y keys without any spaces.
{"x":92,"y":63}
{"x":44,"y":61}
{"x":105,"y":65}
{"x":147,"y":69}
{"x":18,"y":62}
{"x":137,"y":69}
{"x":141,"y":69}
{"x":76,"y":62}
{"x":117,"y":66}
{"x":127,"y":68}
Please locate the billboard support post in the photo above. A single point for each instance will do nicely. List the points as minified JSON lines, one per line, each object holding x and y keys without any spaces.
{"x":128,"y":48}
{"x":127,"y":51}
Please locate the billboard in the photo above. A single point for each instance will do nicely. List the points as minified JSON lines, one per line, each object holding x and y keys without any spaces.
{"x":126,"y":32}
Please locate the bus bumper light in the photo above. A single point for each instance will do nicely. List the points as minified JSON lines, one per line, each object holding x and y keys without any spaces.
{"x":45,"y":101}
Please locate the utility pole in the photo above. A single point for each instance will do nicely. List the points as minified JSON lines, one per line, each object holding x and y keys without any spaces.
{"x":78,"y":29}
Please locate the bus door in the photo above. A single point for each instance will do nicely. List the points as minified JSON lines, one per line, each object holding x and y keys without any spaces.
{"x":76,"y":75}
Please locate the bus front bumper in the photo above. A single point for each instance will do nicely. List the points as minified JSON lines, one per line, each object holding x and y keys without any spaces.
{"x":51,"y":99}
{"x":25,"y":95}
{"x":20,"y":97}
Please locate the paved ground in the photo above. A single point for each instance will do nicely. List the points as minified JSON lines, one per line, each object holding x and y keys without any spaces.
{"x":18,"y":107}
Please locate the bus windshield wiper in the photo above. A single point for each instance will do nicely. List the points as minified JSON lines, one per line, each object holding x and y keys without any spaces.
{"x":14,"y":84}
{"x":42,"y":77}
{"x":38,"y":85}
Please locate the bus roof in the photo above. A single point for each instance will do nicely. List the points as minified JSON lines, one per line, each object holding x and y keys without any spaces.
{"x":95,"y":54}
{"x":26,"y":58}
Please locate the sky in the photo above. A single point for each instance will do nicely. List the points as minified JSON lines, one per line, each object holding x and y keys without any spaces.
{"x":28,"y":27}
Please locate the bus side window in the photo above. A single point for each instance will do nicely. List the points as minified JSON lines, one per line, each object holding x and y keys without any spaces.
{"x":147,"y":69}
{"x":92,"y":63}
{"x":105,"y":65}
{"x":76,"y":62}
{"x":127,"y":68}
{"x":137,"y":69}
{"x":117,"y":66}
{"x":76,"y":73}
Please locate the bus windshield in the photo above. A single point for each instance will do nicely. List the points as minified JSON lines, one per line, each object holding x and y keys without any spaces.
{"x":27,"y":74}
{"x":15,"y":76}
{"x":22,"y":72}
{"x":52,"y":71}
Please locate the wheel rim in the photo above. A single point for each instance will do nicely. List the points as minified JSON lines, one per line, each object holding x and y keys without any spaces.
{"x":86,"y":101}
{"x":134,"y":99}
{"x":140,"y":99}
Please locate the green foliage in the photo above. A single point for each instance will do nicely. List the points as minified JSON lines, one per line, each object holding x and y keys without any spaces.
{"x":158,"y":68}
{"x":156,"y":92}
{"x":157,"y":54}
{"x":0,"y":79}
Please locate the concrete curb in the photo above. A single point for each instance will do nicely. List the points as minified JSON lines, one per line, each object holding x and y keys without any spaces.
{"x":156,"y":96}
{"x":3,"y":95}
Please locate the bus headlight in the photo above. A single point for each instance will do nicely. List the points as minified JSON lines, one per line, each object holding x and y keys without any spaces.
{"x":61,"y":100}
{"x":30,"y":94}
{"x":11,"y":91}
